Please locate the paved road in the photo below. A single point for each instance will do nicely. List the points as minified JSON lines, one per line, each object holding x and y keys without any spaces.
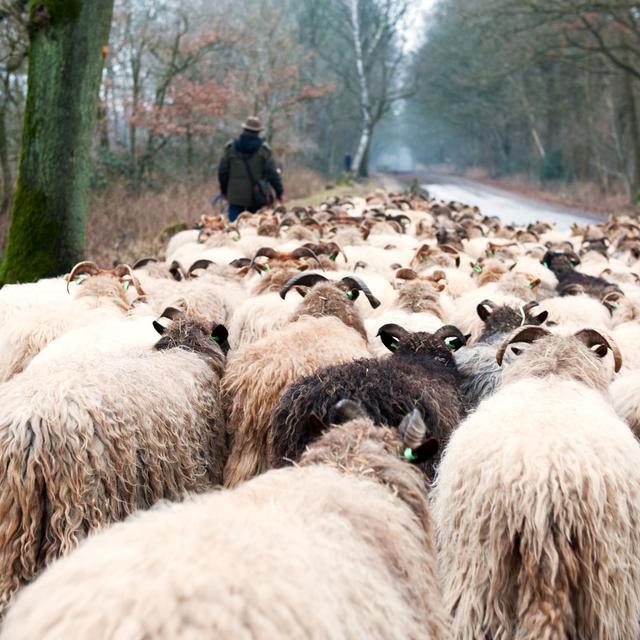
{"x":508,"y":206}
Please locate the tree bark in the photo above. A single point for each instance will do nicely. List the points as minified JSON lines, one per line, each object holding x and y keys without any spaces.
{"x":360,"y":158}
{"x":634,"y":130}
{"x":47,"y":232}
{"x":5,"y":166}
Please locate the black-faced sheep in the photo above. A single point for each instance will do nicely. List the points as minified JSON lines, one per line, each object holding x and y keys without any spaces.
{"x":421,"y":373}
{"x":337,"y":547}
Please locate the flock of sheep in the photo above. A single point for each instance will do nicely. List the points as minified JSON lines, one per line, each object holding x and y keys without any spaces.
{"x":383,"y":417}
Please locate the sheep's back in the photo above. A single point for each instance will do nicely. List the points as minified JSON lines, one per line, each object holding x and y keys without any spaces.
{"x":83,"y":445}
{"x":536,"y":486}
{"x":258,"y":373}
{"x":293,"y":553}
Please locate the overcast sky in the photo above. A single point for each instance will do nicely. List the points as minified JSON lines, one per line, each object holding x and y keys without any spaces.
{"x":416,"y":22}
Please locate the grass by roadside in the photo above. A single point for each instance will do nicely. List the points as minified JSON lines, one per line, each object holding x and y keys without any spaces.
{"x":585,"y":196}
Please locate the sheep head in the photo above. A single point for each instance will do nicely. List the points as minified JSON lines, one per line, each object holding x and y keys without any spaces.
{"x":576,"y":356}
{"x":289,"y":260}
{"x":503,"y":319}
{"x":178,"y":331}
{"x":561,"y":262}
{"x":429,"y":349}
{"x":324,"y":297}
{"x":123,"y":273}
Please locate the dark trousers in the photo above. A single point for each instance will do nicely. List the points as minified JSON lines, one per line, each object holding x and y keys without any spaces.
{"x":234,"y":211}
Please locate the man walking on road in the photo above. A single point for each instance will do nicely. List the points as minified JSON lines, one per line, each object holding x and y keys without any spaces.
{"x":248,"y":171}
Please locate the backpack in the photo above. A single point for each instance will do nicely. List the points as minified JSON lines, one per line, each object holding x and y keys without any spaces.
{"x":261,"y":192}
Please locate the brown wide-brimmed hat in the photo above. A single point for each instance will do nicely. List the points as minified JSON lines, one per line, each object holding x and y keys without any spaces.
{"x":252,"y":124}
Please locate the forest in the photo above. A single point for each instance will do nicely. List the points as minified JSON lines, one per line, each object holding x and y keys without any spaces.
{"x":545,"y":90}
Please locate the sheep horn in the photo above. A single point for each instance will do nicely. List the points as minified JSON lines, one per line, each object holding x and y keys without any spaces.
{"x":301,"y":252}
{"x":240,"y":262}
{"x":357,"y":283}
{"x":128,"y":271}
{"x":203,"y":263}
{"x":82,"y":267}
{"x":170,"y":313}
{"x":406,"y":274}
{"x":302,"y":280}
{"x":451,"y":331}
{"x":530,"y":305}
{"x":390,"y":334}
{"x":361,"y":264}
{"x":143,"y":262}
{"x":591,"y":338}
{"x":447,"y":248}
{"x":267,"y":252}
{"x":412,"y":430}
{"x":528,"y":333}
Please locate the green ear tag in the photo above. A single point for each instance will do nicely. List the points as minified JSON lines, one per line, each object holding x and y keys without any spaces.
{"x":450,"y":343}
{"x":127,"y":284}
{"x":490,"y":254}
{"x":393,"y":346}
{"x":477,"y":268}
{"x":350,"y":295}
{"x":333,"y":257}
{"x":214,"y":339}
{"x":80,"y":279}
{"x":616,"y":305}
{"x":545,"y":264}
{"x":265,"y":267}
{"x":236,"y":239}
{"x":409,"y":455}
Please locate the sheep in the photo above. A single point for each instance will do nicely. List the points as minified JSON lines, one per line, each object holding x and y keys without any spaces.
{"x":344,"y":550}
{"x":537,"y":500}
{"x":572,"y":282}
{"x":624,"y":394}
{"x":479,"y":371}
{"x":98,"y":295}
{"x":420,"y":373}
{"x":325,"y":329}
{"x":84,"y":443}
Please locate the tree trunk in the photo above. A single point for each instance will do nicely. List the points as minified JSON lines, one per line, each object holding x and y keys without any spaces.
{"x":5,"y":167}
{"x":47,"y":232}
{"x":634,"y":129}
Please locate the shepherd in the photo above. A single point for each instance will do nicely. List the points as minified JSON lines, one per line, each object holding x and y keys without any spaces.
{"x":248,"y":173}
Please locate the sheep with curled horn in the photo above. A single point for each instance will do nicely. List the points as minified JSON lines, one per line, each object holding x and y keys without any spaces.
{"x":291,"y":259}
{"x":553,"y":477}
{"x":354,"y":504}
{"x":480,"y":373}
{"x":326,"y":328}
{"x":420,"y":374}
{"x":95,"y":295}
{"x":85,"y":442}
{"x":421,"y":293}
{"x":441,"y":255}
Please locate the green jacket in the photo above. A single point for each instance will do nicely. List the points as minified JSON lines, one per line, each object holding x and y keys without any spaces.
{"x":235,"y":183}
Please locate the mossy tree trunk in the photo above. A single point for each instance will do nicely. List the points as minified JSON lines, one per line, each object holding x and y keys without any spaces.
{"x":47,"y":232}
